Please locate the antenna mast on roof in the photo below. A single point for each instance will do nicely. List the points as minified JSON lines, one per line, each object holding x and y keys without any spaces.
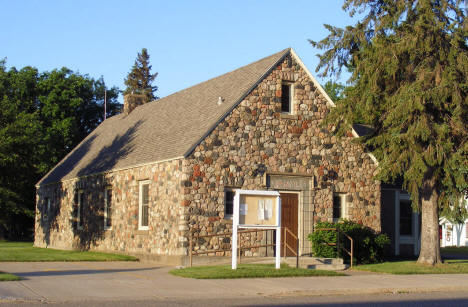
{"x":105,"y":102}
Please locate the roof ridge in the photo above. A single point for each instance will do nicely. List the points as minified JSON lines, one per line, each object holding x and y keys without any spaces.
{"x":177,"y":123}
{"x":216,"y":77}
{"x":284,"y":52}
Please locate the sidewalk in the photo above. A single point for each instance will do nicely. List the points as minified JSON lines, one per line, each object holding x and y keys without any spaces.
{"x":77,"y":281}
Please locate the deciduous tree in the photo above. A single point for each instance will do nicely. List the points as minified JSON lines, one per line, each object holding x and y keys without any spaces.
{"x":42,"y":117}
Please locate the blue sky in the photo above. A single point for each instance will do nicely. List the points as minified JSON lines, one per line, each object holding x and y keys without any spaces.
{"x":188,"y":41}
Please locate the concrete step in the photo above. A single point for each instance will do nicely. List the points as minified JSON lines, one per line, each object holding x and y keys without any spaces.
{"x":329,"y":267}
{"x":334,"y":264}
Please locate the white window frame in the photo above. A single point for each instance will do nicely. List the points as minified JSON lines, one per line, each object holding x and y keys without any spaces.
{"x":291,"y":97}
{"x":140,"y":204}
{"x":79,"y":222}
{"x":106,"y":204}
{"x":344,"y":206}
{"x":405,"y":239}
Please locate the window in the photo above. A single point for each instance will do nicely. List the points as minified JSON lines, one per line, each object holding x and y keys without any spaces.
{"x":339,"y":207}
{"x":406,"y":218}
{"x":80,"y":209}
{"x":143,"y":205}
{"x":228,"y":203}
{"x":108,"y":208}
{"x":286,"y":98}
{"x":46,"y":209}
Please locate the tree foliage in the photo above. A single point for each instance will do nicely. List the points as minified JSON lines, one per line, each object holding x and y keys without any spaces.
{"x":335,"y":90}
{"x":42,"y":117}
{"x":140,"y":78}
{"x":409,"y":64}
{"x":456,"y":212}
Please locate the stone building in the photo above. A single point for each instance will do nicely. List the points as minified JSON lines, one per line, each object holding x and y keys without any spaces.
{"x":142,"y":180}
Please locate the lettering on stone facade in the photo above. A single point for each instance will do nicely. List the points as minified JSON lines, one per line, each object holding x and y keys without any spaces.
{"x":288,"y":183}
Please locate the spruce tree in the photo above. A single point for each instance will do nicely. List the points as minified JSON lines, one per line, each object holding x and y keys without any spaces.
{"x":139,"y":80}
{"x":409,"y":64}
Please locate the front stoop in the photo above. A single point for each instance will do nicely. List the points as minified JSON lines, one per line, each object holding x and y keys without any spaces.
{"x":306,"y":262}
{"x":332,"y":264}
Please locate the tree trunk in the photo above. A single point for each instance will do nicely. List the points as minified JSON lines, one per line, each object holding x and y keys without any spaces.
{"x":430,"y":245}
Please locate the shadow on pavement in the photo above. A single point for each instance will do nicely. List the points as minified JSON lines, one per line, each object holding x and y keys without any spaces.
{"x":24,"y":275}
{"x":416,"y":302}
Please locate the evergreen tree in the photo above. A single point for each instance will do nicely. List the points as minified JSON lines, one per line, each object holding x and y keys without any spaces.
{"x":409,"y":64}
{"x":139,"y":80}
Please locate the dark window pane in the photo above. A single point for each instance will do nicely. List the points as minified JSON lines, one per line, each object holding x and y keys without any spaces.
{"x":229,"y":202}
{"x":109,"y":208}
{"x":46,"y":209}
{"x":145,"y":191}
{"x":285,"y":98}
{"x":336,"y":207}
{"x":82,"y":208}
{"x":144,"y":217}
{"x":406,"y":218}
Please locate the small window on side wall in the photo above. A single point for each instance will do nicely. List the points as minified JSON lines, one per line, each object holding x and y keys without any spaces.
{"x":143,"y":206}
{"x":339,"y":207}
{"x":286,"y":98}
{"x":229,"y":203}
{"x":108,"y":209}
{"x":46,"y":209}
{"x":81,"y":210}
{"x":406,"y":218}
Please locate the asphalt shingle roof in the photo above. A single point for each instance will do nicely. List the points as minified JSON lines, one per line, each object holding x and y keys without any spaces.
{"x":163,"y":129}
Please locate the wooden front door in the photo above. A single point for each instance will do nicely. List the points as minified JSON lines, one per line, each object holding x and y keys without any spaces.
{"x":289,"y":209}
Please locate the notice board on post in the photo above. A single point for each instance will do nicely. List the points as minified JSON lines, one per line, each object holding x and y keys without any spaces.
{"x":256,"y":209}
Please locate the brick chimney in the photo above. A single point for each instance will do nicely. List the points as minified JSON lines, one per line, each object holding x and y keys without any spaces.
{"x":131,"y":101}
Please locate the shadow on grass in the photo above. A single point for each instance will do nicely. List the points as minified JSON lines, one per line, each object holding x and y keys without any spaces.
{"x":24,"y":275}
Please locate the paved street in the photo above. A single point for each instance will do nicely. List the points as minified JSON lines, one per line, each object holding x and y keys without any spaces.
{"x":122,"y":283}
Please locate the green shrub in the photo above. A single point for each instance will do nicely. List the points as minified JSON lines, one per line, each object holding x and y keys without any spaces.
{"x":319,"y":240}
{"x":368,"y":245}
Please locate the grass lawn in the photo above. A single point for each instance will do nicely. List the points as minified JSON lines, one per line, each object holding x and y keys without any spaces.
{"x":8,"y":277}
{"x":463,"y":250}
{"x":24,"y":251}
{"x":248,"y":271}
{"x":411,"y":267}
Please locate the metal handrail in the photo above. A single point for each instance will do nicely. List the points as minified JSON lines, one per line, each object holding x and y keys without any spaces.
{"x":194,"y":253}
{"x":337,"y":244}
{"x":286,"y":245}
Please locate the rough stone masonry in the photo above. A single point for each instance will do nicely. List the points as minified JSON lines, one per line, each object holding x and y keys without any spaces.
{"x":255,"y":146}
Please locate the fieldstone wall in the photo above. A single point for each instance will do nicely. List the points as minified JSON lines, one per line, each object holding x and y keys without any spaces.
{"x":59,"y":228}
{"x":252,"y":143}
{"x":256,"y":139}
